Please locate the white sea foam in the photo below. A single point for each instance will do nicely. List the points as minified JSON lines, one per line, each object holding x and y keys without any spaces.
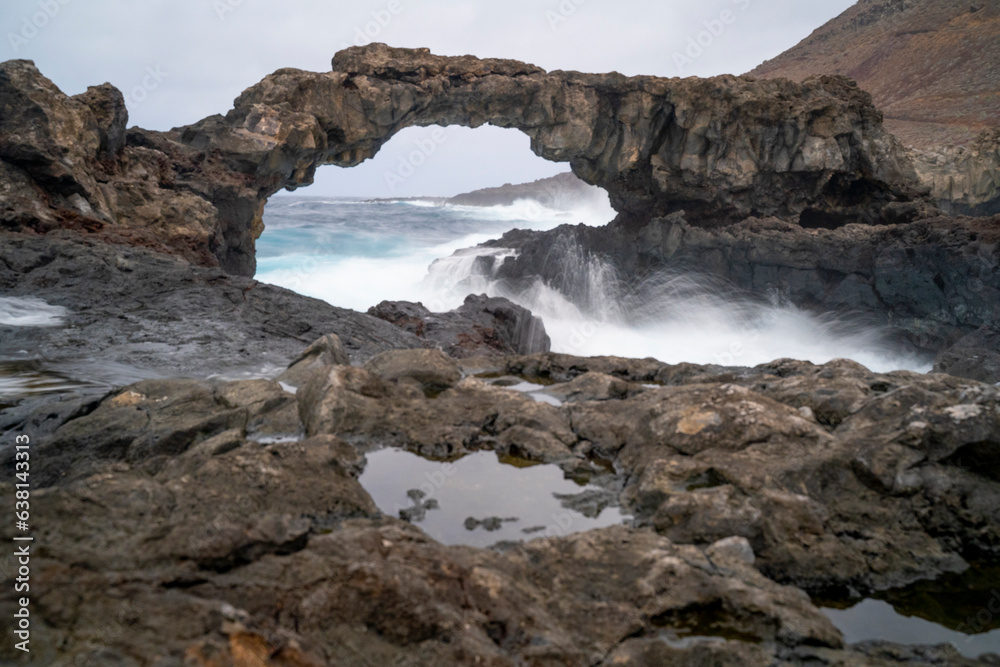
{"x":674,"y":318}
{"x":591,"y":211}
{"x":18,"y":311}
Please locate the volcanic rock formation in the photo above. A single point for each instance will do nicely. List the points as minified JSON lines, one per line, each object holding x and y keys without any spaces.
{"x":933,"y":69}
{"x":933,"y":280}
{"x":480,"y":326}
{"x":209,"y":522}
{"x":181,"y":528}
{"x":721,"y":148}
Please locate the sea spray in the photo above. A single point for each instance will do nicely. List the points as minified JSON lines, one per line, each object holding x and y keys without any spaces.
{"x":29,"y":312}
{"x":588,"y":309}
{"x":355,"y":254}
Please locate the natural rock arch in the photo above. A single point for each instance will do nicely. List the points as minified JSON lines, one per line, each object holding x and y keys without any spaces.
{"x":722,"y":148}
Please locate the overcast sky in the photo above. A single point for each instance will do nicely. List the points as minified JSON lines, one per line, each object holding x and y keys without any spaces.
{"x":179,"y":61}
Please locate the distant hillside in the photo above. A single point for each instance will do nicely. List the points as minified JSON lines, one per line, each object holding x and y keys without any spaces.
{"x":559,"y":192}
{"x":932,"y":66}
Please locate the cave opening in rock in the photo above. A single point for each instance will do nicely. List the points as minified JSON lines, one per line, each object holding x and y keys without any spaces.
{"x":414,"y":224}
{"x":361,"y":235}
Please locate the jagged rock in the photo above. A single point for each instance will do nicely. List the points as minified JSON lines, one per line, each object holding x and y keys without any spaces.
{"x":199,"y":191}
{"x":706,"y":469}
{"x":929,"y":279}
{"x":976,"y":356}
{"x":481,"y":326}
{"x":896,"y":51}
{"x":721,"y":148}
{"x":108,"y":106}
{"x":432,"y":370}
{"x":135,"y":314}
{"x":326,"y":351}
{"x":964,"y":180}
{"x":340,"y":399}
{"x":176,"y":534}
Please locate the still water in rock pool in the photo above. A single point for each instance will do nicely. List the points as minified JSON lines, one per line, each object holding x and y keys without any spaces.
{"x":479,"y":501}
{"x":961,"y":609}
{"x":879,"y":620}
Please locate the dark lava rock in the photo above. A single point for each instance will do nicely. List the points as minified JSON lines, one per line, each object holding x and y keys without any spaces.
{"x":137,"y":314}
{"x":482,"y":326}
{"x":153,"y":312}
{"x":976,"y":356}
{"x":929,"y":281}
{"x":175,"y":532}
{"x":722,"y":148}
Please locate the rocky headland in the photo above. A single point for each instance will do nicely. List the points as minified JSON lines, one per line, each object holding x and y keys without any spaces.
{"x":561,"y":192}
{"x":930,"y":66}
{"x":190,"y":517}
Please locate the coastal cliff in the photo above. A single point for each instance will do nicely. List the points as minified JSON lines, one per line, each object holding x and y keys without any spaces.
{"x":191,"y":516}
{"x":721,"y":149}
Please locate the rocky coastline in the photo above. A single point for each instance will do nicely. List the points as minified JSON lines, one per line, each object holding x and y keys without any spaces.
{"x":202,"y":503}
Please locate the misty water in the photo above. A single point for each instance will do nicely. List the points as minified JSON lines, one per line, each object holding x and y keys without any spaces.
{"x":355,"y":253}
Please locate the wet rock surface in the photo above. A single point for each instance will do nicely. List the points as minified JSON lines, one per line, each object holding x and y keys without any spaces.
{"x":482,"y":326}
{"x":933,"y":281}
{"x":136,"y":314}
{"x":975,"y":355}
{"x":178,"y":527}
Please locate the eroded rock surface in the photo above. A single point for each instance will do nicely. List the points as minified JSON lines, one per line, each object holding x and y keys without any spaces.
{"x":933,"y":281}
{"x":723,"y":148}
{"x":965,"y":179}
{"x":208,"y":521}
{"x":490,"y":326}
{"x":134,"y":314}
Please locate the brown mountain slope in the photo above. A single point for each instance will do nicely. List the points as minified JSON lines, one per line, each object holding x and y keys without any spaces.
{"x":932,"y":66}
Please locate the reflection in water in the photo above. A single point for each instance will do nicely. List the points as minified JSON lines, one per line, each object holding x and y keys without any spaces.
{"x":479,"y":501}
{"x":878,"y":620}
{"x":959,"y":601}
{"x":537,"y":392}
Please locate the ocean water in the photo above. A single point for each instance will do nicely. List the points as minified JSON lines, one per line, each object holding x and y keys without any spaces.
{"x":16,"y":311}
{"x":354,"y":253}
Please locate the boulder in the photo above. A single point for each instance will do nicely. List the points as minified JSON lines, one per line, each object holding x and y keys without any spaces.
{"x":975,"y":355}
{"x":431,"y":370}
{"x":481,"y":326}
{"x":171,"y":529}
